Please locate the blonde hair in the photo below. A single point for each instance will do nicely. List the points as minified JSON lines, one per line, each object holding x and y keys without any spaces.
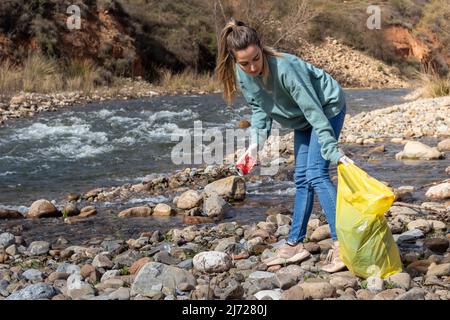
{"x":236,"y":35}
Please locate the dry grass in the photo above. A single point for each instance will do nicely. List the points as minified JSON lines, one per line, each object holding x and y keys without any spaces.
{"x":188,"y":80}
{"x":45,"y":75}
{"x":432,"y":85}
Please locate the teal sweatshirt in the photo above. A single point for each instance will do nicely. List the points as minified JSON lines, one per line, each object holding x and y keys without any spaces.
{"x":298,"y":96}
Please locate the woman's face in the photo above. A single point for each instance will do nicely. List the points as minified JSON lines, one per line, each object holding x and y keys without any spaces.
{"x":250,"y":60}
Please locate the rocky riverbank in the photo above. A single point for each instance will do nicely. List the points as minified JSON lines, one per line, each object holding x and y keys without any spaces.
{"x":212,"y":259}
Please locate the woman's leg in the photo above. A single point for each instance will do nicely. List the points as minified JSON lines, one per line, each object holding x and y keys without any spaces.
{"x":304,"y":195}
{"x":319,"y":177}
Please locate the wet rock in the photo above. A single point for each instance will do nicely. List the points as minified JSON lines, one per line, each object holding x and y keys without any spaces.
{"x":197,"y":219}
{"x":34,"y":292}
{"x":153,"y":276}
{"x":39,"y":247}
{"x":438,"y":245}
{"x":73,"y":196}
{"x":230,"y":187}
{"x":189,"y":199}
{"x":42,"y":208}
{"x":6,"y":239}
{"x":212,"y":261}
{"x":439,"y":192}
{"x":418,"y":150}
{"x":142,"y":211}
{"x":162,"y":210}
{"x":214,"y":205}
{"x":70,"y":209}
{"x":439,"y":270}
{"x":280,"y":209}
{"x":87,"y":212}
{"x":10,"y":214}
{"x":317,"y":289}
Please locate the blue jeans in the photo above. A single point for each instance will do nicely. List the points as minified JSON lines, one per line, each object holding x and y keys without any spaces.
{"x":312,"y":175}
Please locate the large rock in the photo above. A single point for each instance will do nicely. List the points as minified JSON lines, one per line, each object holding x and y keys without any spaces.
{"x":416,"y":150}
{"x":189,"y":199}
{"x":321,"y":233}
{"x":34,"y":292}
{"x":77,"y":288}
{"x":438,"y":245}
{"x":153,"y":276}
{"x":162,"y":210}
{"x":293,"y":293}
{"x":420,"y":224}
{"x":317,"y":289}
{"x":212,"y":261}
{"x":142,"y":211}
{"x":413,"y":294}
{"x":7,"y":239}
{"x":42,"y":208}
{"x":39,"y":247}
{"x":214,"y":206}
{"x":444,"y":145}
{"x":400,"y":280}
{"x":439,"y":192}
{"x":231,"y":187}
{"x":439,"y":270}
{"x":10,"y":214}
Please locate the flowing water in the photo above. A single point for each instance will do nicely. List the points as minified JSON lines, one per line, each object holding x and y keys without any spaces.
{"x":111,"y":143}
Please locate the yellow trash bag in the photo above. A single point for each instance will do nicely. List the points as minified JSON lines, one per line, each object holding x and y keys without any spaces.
{"x":366,"y":245}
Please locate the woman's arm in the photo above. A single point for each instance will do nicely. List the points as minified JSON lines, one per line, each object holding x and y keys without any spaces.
{"x":302,"y":91}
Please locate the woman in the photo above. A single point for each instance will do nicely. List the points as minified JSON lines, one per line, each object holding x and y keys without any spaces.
{"x":299,"y":96}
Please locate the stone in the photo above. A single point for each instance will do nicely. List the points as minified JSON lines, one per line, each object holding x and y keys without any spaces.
{"x":142,"y":211}
{"x":375,"y":284}
{"x":283,"y":219}
{"x":166,"y":258}
{"x":283,"y":230}
{"x":42,"y":208}
{"x":77,"y":289}
{"x":137,"y":265}
{"x":272,"y":294}
{"x":321,"y":233}
{"x":400,"y":210}
{"x":7,"y":239}
{"x":312,"y":247}
{"x":293,"y":293}
{"x":420,"y":266}
{"x":410,"y":235}
{"x":214,"y":206}
{"x":68,"y":268}
{"x":438,"y":245}
{"x":416,"y":150}
{"x":232,"y":187}
{"x":263,"y":280}
{"x":34,"y":292}
{"x":285,"y":280}
{"x":343,"y":281}
{"x":400,"y":280}
{"x":317,"y":289}
{"x":413,"y":294}
{"x":126,"y":259}
{"x":110,"y":274}
{"x":444,"y":145}
{"x":153,"y":276}
{"x":162,"y":210}
{"x":189,"y":199}
{"x":10,"y":214}
{"x":11,"y":250}
{"x":70,"y":209}
{"x":420,"y":224}
{"x":87,"y":212}
{"x":389,"y":294}
{"x":197,"y":220}
{"x":439,"y":270}
{"x":120,"y":294}
{"x":86,"y":270}
{"x":439,"y":192}
{"x":39,"y":248}
{"x":32,"y":275}
{"x":212,"y":261}
{"x":364,"y":294}
{"x":102,"y":261}
{"x":280,"y":209}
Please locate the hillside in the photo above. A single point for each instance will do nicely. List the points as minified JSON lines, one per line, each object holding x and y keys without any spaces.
{"x":128,"y":38}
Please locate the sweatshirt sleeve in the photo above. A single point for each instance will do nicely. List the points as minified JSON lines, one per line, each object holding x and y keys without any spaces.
{"x":261,"y":122}
{"x":303,"y":92}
